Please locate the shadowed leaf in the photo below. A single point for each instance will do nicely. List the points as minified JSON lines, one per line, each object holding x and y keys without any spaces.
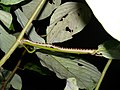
{"x":86,"y":76}
{"x":67,"y":20}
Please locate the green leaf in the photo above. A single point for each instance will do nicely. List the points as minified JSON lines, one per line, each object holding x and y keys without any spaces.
{"x":29,"y":8}
{"x":71,"y":84}
{"x":67,"y":20}
{"x":109,"y":49}
{"x":86,"y":74}
{"x":6,"y":40}
{"x":22,"y":19}
{"x":16,"y":82}
{"x":5,"y":8}
{"x":39,"y":69}
{"x":3,"y":74}
{"x":10,"y":2}
{"x":6,"y":18}
{"x":108,"y":14}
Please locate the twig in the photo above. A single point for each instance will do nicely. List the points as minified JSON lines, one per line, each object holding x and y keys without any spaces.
{"x":10,"y":76}
{"x":103,"y":74}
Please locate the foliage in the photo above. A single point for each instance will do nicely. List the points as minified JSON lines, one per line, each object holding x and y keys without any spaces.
{"x":71,"y":84}
{"x":66,"y":20}
{"x":16,"y":81}
{"x":10,"y":2}
{"x":85,"y":74}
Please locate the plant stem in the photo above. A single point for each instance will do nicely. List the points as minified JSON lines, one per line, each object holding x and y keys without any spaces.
{"x":53,"y":48}
{"x":10,"y":76}
{"x":15,"y":45}
{"x":103,"y":74}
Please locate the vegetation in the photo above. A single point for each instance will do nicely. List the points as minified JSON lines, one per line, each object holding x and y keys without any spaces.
{"x":53,"y":35}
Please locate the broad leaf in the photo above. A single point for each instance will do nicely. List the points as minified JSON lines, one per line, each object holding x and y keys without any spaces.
{"x":16,"y":82}
{"x":67,"y":20}
{"x":39,"y":69}
{"x":109,"y":49}
{"x":29,"y":8}
{"x":85,"y":73}
{"x":6,"y":40}
{"x":22,"y":19}
{"x":108,"y":14}
{"x":71,"y":84}
{"x":10,"y":2}
{"x":6,"y":18}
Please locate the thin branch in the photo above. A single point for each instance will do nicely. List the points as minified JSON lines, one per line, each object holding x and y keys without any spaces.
{"x":103,"y":74}
{"x":12,"y":49}
{"x":10,"y":76}
{"x":50,"y":47}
